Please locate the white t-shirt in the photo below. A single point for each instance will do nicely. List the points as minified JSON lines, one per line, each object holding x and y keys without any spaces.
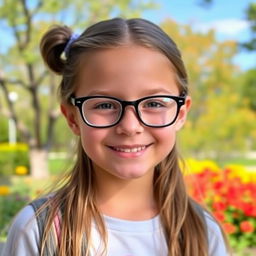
{"x":125,"y":238}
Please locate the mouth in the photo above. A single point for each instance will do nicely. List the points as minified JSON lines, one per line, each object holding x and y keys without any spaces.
{"x":129,"y":149}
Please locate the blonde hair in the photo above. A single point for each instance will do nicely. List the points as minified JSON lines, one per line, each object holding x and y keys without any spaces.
{"x":184,"y":227}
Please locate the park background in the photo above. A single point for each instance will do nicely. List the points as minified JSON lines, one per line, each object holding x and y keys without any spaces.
{"x":218,"y":43}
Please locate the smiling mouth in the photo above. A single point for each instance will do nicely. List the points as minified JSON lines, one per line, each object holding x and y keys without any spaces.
{"x":129,"y":149}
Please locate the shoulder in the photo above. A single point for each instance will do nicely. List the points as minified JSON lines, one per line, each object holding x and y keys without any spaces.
{"x":216,"y":240}
{"x":25,"y":218}
{"x":23,"y":236}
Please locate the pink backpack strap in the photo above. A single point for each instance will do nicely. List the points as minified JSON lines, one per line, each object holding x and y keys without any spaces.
{"x":57,"y":226}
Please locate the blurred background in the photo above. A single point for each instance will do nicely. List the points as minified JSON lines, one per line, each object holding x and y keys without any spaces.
{"x":218,"y":42}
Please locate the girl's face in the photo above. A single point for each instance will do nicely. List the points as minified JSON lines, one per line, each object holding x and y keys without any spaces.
{"x":128,"y":150}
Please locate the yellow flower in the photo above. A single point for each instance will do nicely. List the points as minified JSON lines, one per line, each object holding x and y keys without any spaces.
{"x":13,"y":147}
{"x":4,"y":190}
{"x":246,"y":175}
{"x":21,"y":170}
{"x":194,"y":166}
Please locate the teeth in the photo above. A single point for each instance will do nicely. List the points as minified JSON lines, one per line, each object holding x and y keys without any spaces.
{"x":130,"y":150}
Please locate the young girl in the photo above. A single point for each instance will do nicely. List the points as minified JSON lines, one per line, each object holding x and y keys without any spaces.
{"x":124,"y":93}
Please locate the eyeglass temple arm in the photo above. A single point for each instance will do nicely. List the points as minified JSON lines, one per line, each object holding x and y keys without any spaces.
{"x":183,"y":94}
{"x":72,"y":100}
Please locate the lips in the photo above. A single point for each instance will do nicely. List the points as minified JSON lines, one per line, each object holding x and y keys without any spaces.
{"x":129,"y":149}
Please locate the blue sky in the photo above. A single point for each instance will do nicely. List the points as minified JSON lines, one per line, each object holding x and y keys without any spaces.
{"x":227,"y":17}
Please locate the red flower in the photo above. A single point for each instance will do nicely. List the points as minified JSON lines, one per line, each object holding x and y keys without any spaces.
{"x":249,"y":209}
{"x":219,"y":215}
{"x":246,"y":226}
{"x":219,"y":206}
{"x":229,"y":228}
{"x":218,"y":185}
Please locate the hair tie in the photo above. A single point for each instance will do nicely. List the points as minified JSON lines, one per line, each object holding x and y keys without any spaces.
{"x":70,"y":41}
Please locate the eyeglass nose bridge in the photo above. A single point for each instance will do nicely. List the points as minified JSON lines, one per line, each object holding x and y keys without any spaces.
{"x":124,"y":104}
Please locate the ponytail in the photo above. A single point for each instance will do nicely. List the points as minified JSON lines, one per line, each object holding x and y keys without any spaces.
{"x":52,"y":47}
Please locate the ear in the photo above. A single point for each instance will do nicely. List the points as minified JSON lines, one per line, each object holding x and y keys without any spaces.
{"x":183,"y":114}
{"x":71,"y":116}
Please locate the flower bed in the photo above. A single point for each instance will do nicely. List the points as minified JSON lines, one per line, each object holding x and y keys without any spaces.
{"x":14,"y":159}
{"x":230,"y":194}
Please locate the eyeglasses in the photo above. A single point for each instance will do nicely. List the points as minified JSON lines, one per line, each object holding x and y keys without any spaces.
{"x":154,"y":111}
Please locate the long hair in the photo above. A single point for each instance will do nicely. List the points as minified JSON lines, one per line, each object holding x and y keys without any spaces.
{"x":183,"y":226}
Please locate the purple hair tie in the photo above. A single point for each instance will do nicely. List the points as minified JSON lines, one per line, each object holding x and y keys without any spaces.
{"x":70,"y":41}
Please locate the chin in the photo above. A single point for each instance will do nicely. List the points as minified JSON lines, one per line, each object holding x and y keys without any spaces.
{"x":129,"y":175}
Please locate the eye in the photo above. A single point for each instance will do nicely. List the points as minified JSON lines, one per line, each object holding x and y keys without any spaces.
{"x":154,"y":104}
{"x":101,"y":105}
{"x":105,"y":105}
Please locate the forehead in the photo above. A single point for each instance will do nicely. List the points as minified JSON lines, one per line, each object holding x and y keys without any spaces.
{"x":125,"y":69}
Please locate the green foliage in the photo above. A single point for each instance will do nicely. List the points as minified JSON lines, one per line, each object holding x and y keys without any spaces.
{"x":10,"y":205}
{"x":239,"y":240}
{"x":251,"y":17}
{"x":13,"y":158}
{"x":249,"y":88}
{"x":220,"y":120}
{"x":250,"y":14}
{"x":239,"y":160}
{"x":3,"y":129}
{"x":59,"y":165}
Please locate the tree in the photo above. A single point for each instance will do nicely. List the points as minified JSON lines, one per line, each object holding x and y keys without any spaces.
{"x":250,"y":15}
{"x":220,"y":121}
{"x":22,"y":70}
{"x":248,"y":82}
{"x":249,"y":88}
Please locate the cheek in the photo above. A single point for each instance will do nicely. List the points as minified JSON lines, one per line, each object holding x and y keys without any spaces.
{"x":166,"y":137}
{"x":91,"y":139}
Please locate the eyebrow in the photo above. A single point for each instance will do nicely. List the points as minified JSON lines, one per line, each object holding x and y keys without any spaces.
{"x":159,"y":91}
{"x":145,"y":93}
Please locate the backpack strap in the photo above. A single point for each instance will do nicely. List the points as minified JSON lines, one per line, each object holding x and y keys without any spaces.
{"x":41,"y":216}
{"x":36,"y":204}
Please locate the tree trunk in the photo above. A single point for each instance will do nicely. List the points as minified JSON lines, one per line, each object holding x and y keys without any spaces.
{"x":39,"y":163}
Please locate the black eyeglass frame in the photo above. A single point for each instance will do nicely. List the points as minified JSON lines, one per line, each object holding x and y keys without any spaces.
{"x":78,"y":102}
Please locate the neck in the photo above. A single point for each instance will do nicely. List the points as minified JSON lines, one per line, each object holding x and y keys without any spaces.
{"x":131,"y":199}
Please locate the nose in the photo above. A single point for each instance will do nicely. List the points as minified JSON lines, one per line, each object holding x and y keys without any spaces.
{"x":129,"y":124}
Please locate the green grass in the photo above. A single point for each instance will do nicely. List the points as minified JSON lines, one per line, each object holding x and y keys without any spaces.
{"x":58,"y":166}
{"x":2,"y":239}
{"x":241,"y":161}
